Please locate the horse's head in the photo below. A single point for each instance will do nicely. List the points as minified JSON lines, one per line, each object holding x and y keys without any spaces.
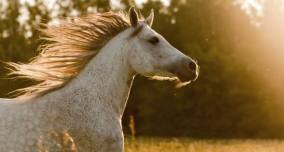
{"x":151,"y":55}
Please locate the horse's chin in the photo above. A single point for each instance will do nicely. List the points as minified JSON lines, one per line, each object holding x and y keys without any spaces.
{"x":180,"y":84}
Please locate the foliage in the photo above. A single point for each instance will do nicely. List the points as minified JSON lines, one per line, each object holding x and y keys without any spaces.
{"x":194,"y":145}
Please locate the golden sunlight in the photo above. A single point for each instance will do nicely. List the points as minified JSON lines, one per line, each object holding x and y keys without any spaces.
{"x":267,"y":61}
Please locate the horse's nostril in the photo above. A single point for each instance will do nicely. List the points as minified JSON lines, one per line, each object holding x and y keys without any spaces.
{"x":192,"y":66}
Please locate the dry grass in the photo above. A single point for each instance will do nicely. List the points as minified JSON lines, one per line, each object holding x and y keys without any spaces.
{"x":191,"y":145}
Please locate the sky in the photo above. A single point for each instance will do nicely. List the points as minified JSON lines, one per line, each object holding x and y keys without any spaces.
{"x":251,"y":7}
{"x":246,"y":4}
{"x":115,"y":3}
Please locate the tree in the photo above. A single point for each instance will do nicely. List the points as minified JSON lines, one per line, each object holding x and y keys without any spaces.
{"x":227,"y":100}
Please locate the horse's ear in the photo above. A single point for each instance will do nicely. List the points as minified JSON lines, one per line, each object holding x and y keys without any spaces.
{"x":150,"y":18}
{"x":133,"y":17}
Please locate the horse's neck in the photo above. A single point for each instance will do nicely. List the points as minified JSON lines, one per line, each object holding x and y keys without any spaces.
{"x":106,"y":79}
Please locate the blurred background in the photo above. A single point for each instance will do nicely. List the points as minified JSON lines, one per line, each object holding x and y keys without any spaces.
{"x":238,"y":44}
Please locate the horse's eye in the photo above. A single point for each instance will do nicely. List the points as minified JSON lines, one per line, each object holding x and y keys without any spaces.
{"x":154,"y":40}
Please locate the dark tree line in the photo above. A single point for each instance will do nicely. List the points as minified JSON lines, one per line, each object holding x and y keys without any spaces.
{"x":227,"y":100}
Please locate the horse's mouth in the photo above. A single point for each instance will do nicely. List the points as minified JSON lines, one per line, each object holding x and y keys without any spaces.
{"x":192,"y":76}
{"x":181,"y":79}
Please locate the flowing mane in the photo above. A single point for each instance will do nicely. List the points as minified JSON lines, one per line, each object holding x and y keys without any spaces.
{"x":68,"y":47}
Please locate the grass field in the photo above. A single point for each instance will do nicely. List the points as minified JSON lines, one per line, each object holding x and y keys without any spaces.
{"x":192,"y":145}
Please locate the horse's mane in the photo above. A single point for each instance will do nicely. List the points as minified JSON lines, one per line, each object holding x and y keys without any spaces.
{"x":68,"y":47}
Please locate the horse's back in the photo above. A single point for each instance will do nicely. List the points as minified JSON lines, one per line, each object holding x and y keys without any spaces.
{"x":5,"y":101}
{"x":18,"y":125}
{"x":29,"y":126}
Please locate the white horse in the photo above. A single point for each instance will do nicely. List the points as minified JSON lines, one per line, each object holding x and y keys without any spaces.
{"x":84,"y":74}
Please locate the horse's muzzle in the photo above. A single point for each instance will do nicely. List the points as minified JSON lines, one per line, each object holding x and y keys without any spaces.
{"x":187,"y":71}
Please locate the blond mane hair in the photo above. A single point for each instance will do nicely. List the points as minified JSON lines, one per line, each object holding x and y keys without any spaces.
{"x":68,"y":47}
